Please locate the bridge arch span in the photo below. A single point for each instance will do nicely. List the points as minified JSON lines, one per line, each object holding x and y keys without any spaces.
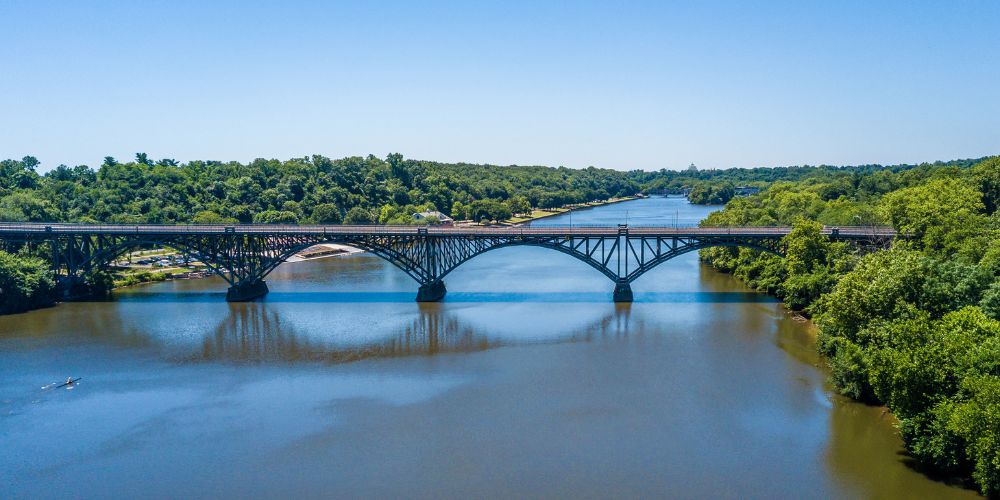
{"x":105,"y":255}
{"x":590,"y":261}
{"x":401,"y":261}
{"x":431,"y":284}
{"x":648,"y":266}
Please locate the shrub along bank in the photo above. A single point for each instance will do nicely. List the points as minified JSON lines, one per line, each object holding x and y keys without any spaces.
{"x":25,"y":283}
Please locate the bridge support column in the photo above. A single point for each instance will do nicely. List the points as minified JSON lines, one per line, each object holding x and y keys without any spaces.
{"x":431,"y":292}
{"x":623,"y":291}
{"x":243,"y":292}
{"x":72,"y":288}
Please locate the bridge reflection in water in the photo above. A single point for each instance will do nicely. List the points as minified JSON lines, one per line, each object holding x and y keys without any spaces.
{"x":257,"y":332}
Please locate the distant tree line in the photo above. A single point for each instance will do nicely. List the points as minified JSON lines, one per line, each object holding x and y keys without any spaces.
{"x":717,"y":186}
{"x":357,"y":190}
{"x":352,"y":190}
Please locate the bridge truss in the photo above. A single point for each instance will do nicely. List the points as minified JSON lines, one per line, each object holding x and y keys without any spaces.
{"x":243,"y":255}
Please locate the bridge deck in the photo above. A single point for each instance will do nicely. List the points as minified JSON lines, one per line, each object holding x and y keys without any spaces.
{"x":844,"y":232}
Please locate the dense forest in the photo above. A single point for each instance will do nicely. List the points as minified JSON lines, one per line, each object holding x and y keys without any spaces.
{"x":351,"y":190}
{"x":915,"y":327}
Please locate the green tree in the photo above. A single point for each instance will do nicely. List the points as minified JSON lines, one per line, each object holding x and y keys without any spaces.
{"x":942,"y":214}
{"x":25,"y":283}
{"x":326,"y":213}
{"x":977,"y":421}
{"x":210,"y":217}
{"x":275,"y":217}
{"x":358,"y":215}
{"x":987,"y":175}
{"x":519,"y":205}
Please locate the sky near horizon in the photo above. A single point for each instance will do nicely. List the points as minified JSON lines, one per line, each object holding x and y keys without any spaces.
{"x":623,"y":85}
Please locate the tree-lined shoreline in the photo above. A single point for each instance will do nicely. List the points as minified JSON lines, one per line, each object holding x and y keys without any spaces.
{"x":916,"y":327}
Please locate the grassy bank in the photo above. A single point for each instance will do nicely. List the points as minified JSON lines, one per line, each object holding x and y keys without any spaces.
{"x":540,"y":213}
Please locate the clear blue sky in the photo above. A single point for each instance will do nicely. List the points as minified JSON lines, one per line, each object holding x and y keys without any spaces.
{"x":611,"y":84}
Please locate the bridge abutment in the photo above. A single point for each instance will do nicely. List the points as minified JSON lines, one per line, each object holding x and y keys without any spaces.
{"x":432,"y":292}
{"x":623,"y":292}
{"x":244,"y":292}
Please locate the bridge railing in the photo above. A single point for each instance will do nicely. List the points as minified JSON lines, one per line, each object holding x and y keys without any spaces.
{"x":68,"y":228}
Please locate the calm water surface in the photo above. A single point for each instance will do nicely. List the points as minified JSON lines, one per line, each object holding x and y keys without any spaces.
{"x":526,"y":382}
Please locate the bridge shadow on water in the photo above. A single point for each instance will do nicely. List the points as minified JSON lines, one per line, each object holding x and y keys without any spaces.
{"x":460,"y":297}
{"x":255,"y":332}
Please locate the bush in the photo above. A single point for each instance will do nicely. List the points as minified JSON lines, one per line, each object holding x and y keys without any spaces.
{"x":25,"y":283}
{"x":849,"y":370}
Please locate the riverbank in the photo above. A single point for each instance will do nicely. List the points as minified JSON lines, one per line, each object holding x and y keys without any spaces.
{"x":132,"y":276}
{"x":540,"y":213}
{"x":323,"y":251}
{"x":878,"y":355}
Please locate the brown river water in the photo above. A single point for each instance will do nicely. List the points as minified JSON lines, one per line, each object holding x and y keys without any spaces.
{"x":527,"y":381}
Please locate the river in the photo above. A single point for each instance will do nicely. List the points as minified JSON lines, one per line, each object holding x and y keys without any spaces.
{"x":527,"y":381}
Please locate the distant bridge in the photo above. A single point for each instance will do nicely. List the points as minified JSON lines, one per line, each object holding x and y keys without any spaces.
{"x":243,"y":255}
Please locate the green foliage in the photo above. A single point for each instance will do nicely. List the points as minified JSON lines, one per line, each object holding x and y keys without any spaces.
{"x":808,"y":257}
{"x":944,"y":215}
{"x":25,"y":283}
{"x":326,"y":213}
{"x":519,"y":205}
{"x":929,"y":438}
{"x":987,"y":175}
{"x":26,"y":206}
{"x":711,"y":193}
{"x":358,"y":215}
{"x":976,"y":420}
{"x":488,"y":210}
{"x":163,"y":191}
{"x":210,"y":217}
{"x":275,"y":217}
{"x":848,"y":369}
{"x":143,"y":277}
{"x":915,"y":327}
{"x":990,"y":303}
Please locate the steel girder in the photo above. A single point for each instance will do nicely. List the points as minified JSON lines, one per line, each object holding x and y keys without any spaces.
{"x":242,"y":258}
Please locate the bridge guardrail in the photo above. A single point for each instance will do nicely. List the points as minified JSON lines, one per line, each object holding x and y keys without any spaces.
{"x":69,"y":228}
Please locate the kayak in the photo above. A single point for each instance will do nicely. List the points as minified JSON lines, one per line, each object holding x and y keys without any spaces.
{"x":54,"y":385}
{"x":71,"y":382}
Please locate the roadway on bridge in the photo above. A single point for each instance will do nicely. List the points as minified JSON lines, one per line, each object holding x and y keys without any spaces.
{"x":61,"y":228}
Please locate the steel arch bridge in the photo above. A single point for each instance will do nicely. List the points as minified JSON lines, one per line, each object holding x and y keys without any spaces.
{"x":243,"y":255}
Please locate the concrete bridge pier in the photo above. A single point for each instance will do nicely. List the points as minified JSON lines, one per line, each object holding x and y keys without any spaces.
{"x":431,"y":292}
{"x":71,"y":288}
{"x":76,"y":288}
{"x":245,"y":292}
{"x":623,"y":291}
